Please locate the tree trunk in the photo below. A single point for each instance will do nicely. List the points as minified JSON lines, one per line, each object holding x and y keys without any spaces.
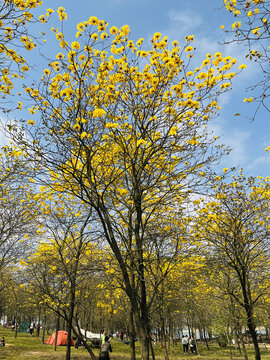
{"x":238,"y":341}
{"x":201,"y":334}
{"x":266,"y":333}
{"x":56,"y":331}
{"x":44,"y":329}
{"x":132,"y":335}
{"x":143,"y":332}
{"x":194,"y":335}
{"x":163,"y":340}
{"x":79,"y":335}
{"x":244,"y":347}
{"x":16,"y":328}
{"x":249,"y":312}
{"x":69,"y":322}
{"x":252,"y":330}
{"x":205,"y":339}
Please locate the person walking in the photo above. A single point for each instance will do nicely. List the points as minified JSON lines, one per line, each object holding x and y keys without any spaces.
{"x":105,"y":349}
{"x":31,"y":328}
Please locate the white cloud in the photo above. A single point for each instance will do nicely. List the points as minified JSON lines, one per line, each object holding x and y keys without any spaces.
{"x":186,"y":19}
{"x":184,"y":23}
{"x":236,"y":139}
{"x":258,"y":164}
{"x":236,"y":134}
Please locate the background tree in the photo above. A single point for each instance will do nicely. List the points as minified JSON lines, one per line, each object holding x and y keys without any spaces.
{"x":18,"y":210}
{"x":63,"y":261}
{"x":236,"y":227}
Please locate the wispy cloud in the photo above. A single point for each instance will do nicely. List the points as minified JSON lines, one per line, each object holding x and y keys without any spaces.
{"x":236,"y":139}
{"x":186,"y":19}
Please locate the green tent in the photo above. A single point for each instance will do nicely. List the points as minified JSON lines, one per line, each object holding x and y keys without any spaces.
{"x":24,"y":327}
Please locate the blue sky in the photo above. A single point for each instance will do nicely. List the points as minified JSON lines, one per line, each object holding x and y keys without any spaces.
{"x":176,"y":19}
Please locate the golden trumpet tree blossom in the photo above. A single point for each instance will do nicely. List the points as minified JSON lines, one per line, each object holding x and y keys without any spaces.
{"x":15,"y":36}
{"x":251,"y":27}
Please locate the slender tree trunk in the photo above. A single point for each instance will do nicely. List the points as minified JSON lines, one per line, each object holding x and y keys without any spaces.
{"x":44,"y":329}
{"x":16,"y":328}
{"x":69,"y":322}
{"x":171,"y":333}
{"x":238,"y":341}
{"x":194,"y":335}
{"x":244,"y":347}
{"x":132,"y":335}
{"x":79,"y":335}
{"x":201,"y":334}
{"x":205,"y":339}
{"x":266,"y":332}
{"x":56,"y":331}
{"x":141,"y":315}
{"x":163,"y":340}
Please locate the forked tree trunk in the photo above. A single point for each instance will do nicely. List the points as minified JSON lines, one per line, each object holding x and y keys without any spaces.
{"x":77,"y":332}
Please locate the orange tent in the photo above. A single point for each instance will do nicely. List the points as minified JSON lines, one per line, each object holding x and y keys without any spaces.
{"x":61,"y":339}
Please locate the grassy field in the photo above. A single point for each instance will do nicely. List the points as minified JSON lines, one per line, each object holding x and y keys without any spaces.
{"x":30,"y":348}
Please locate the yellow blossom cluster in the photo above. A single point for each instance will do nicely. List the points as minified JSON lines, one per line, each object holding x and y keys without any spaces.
{"x":255,"y":12}
{"x":14,"y":22}
{"x":90,"y":93}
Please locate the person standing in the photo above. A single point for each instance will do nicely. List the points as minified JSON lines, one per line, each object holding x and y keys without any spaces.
{"x":38,"y":329}
{"x":185,"y":344}
{"x":103,"y":336}
{"x":192,"y":345}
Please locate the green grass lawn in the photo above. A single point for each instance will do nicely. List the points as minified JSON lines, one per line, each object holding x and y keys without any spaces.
{"x":30,"y":348}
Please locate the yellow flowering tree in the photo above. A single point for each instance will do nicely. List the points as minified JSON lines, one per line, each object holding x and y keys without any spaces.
{"x":123,"y":127}
{"x":63,"y":260}
{"x":251,"y":27}
{"x":15,"y":298}
{"x":236,"y":228}
{"x":15,"y":37}
{"x":229,"y":318}
{"x":18,"y":209}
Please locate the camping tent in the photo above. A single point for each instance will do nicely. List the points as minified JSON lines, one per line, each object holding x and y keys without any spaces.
{"x":24,"y":326}
{"x":61,"y":339}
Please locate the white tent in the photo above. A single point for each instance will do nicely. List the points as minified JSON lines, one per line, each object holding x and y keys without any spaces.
{"x":90,"y":335}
